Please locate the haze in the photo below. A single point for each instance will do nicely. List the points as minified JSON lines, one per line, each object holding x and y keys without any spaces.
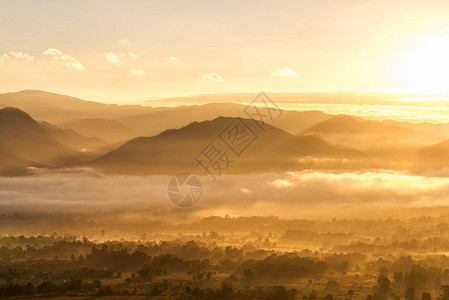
{"x":263,"y":150}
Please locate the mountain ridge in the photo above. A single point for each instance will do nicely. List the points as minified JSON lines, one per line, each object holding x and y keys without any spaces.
{"x":175,"y":150}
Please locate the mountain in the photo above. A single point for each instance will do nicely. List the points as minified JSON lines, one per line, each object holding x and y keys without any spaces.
{"x":111,"y":131}
{"x":346,"y":125}
{"x":25,"y":142}
{"x":159,"y":120}
{"x":75,"y":140}
{"x":439,"y":131}
{"x":438,"y":153}
{"x":376,"y":138}
{"x":57,"y":108}
{"x":296,"y":122}
{"x":267,"y":149}
{"x":155,"y":122}
{"x":116,"y":123}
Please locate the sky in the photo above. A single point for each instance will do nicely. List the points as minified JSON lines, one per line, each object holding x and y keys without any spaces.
{"x":123,"y":51}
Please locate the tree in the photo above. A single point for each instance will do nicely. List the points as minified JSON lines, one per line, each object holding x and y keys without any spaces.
{"x":426,"y":296}
{"x":74,"y":284}
{"x":96,"y":284}
{"x":445,"y":289}
{"x":280,"y":293}
{"x":248,"y":274}
{"x":410,"y":293}
{"x":382,"y":287}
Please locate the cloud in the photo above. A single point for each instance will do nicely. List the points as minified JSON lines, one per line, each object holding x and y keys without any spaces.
{"x":69,"y":62}
{"x":169,"y":59}
{"x":137,"y":72}
{"x":21,"y":55}
{"x":212,"y":77}
{"x":245,"y":191}
{"x":3,"y":57}
{"x":16,"y":55}
{"x":124,"y":42}
{"x":57,"y":56}
{"x":115,"y":58}
{"x":52,"y":52}
{"x":285,"y":72}
{"x":281,"y":183}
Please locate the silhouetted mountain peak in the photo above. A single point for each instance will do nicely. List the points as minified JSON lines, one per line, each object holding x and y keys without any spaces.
{"x":11,"y":116}
{"x":346,"y":125}
{"x":173,"y":150}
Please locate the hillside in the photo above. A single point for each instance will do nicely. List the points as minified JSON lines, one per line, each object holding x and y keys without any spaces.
{"x":56,"y":108}
{"x":174,"y":151}
{"x":25,"y":142}
{"x":111,"y":131}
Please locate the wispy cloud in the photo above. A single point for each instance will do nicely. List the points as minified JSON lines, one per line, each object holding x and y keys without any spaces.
{"x":285,"y":72}
{"x":115,"y":58}
{"x":52,"y":52}
{"x":57,"y":56}
{"x":212,"y":77}
{"x":21,"y":55}
{"x":170,"y":59}
{"x":137,"y":72}
{"x":16,"y":55}
{"x":281,"y":183}
{"x":3,"y":57}
{"x":245,"y":191}
{"x":124,"y":42}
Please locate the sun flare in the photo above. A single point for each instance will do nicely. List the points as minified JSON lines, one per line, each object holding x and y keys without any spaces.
{"x":425,"y":66}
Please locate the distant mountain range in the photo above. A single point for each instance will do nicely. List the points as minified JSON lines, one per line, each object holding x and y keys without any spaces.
{"x":382,"y":140}
{"x":144,"y":140}
{"x":437,"y":154}
{"x":174,"y":150}
{"x":115,"y":123}
{"x":111,"y":131}
{"x":55,"y":108}
{"x":346,"y":125}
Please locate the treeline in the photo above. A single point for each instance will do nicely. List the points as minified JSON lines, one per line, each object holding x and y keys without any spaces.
{"x":123,"y":260}
{"x":283,"y":266}
{"x":426,"y":245}
{"x":405,"y":263}
{"x":419,"y":283}
{"x":96,"y":288}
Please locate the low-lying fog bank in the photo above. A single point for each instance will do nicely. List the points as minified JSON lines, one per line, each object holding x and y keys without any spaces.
{"x":290,"y":195}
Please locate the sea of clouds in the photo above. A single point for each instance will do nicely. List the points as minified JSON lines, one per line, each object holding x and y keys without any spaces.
{"x":292,"y":194}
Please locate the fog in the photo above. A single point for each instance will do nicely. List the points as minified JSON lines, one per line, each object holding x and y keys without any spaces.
{"x":292,"y":194}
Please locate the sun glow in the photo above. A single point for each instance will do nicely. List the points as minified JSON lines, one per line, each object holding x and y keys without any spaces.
{"x":425,"y":66}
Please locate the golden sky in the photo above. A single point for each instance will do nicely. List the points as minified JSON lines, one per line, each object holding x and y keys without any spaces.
{"x":124,"y":50}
